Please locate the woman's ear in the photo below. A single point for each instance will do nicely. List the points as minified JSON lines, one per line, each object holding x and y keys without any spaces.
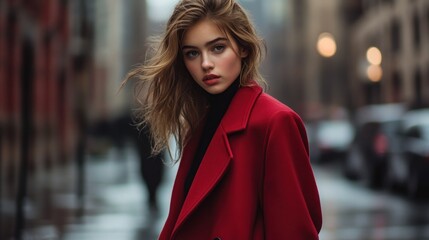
{"x":243,"y":52}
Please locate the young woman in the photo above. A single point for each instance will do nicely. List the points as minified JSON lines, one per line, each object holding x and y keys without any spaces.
{"x":244,"y":168}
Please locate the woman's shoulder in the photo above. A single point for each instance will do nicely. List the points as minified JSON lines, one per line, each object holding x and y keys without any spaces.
{"x":260,"y":108}
{"x":268,"y":111}
{"x":271,"y":106}
{"x":263,"y":100}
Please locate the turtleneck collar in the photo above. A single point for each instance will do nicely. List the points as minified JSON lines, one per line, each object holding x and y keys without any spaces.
{"x":223,"y":99}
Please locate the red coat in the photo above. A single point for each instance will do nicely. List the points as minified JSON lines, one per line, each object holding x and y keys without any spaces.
{"x":254,"y":182}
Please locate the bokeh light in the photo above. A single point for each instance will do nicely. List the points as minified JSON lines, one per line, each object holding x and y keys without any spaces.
{"x":326,"y":45}
{"x":373,"y":55}
{"x":375,"y":73}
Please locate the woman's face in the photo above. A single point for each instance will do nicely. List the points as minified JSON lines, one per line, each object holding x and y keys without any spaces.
{"x":212,"y":59}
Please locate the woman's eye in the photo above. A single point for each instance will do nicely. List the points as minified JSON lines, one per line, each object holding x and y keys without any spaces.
{"x":218,"y":48}
{"x":191,"y":54}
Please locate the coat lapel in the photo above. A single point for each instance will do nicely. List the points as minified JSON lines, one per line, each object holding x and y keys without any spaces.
{"x":218,"y":155}
{"x":216,"y":160}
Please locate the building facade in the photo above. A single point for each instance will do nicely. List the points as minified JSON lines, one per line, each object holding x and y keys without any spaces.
{"x":400,"y":30}
{"x":61,"y":66}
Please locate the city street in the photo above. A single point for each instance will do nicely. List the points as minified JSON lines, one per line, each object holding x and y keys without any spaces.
{"x":78,"y":77}
{"x":115,"y":206}
{"x":354,"y":212}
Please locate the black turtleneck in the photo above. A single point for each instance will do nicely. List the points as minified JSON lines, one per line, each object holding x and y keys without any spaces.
{"x":218,"y":104}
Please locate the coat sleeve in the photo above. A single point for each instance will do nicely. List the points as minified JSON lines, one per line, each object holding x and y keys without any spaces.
{"x":290,"y":198}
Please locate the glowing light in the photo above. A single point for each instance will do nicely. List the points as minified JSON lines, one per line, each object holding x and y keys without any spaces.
{"x":375,"y":73}
{"x":326,"y":45}
{"x":373,"y":55}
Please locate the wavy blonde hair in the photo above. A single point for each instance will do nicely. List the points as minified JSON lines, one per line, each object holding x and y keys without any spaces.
{"x":173,"y":104}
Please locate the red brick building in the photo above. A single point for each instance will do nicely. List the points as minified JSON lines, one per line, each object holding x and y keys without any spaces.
{"x":45,"y":67}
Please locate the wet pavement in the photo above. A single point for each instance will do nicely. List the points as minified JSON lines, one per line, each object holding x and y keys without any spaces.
{"x":354,"y":212}
{"x":115,"y":207}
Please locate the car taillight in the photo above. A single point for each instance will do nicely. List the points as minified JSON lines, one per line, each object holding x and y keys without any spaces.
{"x":380,"y":144}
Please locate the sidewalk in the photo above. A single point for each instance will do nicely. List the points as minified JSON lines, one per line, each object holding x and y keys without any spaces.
{"x":114,"y":204}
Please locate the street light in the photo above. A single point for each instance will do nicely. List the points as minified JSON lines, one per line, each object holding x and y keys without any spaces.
{"x":326,"y":45}
{"x":374,"y":70}
{"x":374,"y":73}
{"x":373,"y":55}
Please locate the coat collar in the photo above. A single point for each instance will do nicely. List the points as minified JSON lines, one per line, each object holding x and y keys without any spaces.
{"x":217,"y":157}
{"x":238,"y":113}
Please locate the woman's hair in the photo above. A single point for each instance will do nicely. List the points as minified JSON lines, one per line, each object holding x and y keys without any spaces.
{"x":174,"y":104}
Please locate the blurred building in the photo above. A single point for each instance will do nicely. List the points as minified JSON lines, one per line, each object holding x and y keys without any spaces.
{"x":281,"y":25}
{"x":317,"y":53}
{"x":61,"y":66}
{"x":299,"y":75}
{"x":119,"y":43}
{"x":317,"y":56}
{"x":45,"y":68}
{"x":399,"y":29}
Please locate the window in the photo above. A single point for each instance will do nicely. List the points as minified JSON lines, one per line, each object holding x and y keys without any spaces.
{"x":416,"y":30}
{"x":396,"y":87}
{"x":373,"y":94}
{"x":427,"y":25}
{"x":395,"y":36}
{"x":418,"y":87}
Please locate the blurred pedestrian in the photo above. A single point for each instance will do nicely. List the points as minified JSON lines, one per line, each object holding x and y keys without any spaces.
{"x":151,"y":168}
{"x":244,"y":168}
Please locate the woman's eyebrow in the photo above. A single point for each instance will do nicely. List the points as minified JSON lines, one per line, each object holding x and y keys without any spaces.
{"x":208,"y":43}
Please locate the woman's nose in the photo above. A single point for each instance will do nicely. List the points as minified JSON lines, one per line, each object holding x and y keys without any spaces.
{"x":206,"y":63}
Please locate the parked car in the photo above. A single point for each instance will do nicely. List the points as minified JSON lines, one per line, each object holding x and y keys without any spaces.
{"x":329,"y":139}
{"x":376,"y":139}
{"x":409,"y":167}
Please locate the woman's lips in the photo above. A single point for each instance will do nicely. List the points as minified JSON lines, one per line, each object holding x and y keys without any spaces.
{"x":211,"y":79}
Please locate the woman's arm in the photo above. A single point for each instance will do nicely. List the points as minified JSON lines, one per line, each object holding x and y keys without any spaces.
{"x":290,"y":198}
